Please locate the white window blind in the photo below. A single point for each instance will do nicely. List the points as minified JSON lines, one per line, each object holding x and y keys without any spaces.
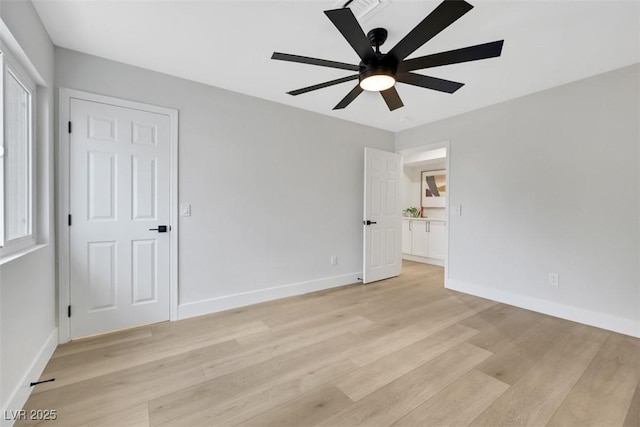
{"x":17,"y":158}
{"x":16,"y":161}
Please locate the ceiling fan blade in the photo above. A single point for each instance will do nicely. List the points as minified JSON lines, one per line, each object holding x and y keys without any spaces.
{"x":434,"y":83}
{"x":348,"y":25}
{"x":313,"y":61}
{"x":392,"y":98}
{"x":466,"y":54}
{"x":442,"y":16}
{"x":322,"y":85}
{"x":349,"y":98}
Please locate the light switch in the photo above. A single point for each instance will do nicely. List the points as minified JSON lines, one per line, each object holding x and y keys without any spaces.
{"x":185,"y":209}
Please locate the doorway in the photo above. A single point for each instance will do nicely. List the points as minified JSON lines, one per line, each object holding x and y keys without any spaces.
{"x":425,"y":203}
{"x":118,"y":246}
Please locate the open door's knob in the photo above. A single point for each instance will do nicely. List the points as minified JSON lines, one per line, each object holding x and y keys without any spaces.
{"x":161,"y":228}
{"x":367,"y":222}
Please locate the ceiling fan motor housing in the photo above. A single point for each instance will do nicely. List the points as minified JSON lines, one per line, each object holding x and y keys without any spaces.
{"x":377,"y":68}
{"x":378,"y":64}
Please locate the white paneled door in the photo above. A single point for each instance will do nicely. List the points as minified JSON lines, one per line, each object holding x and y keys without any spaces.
{"x":119,"y":192}
{"x":382,"y":219}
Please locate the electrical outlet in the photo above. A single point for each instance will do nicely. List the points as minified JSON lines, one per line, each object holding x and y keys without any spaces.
{"x":334,"y":259}
{"x":553,"y":279}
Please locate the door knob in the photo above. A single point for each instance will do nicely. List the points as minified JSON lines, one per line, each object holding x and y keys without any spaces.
{"x":367,"y":222}
{"x":161,"y":228}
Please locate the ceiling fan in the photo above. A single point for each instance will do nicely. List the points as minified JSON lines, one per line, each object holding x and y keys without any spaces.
{"x":379,"y":72}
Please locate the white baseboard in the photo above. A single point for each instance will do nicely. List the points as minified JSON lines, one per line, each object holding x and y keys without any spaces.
{"x":588,"y":317}
{"x":21,"y":393}
{"x":227,"y":302}
{"x":424,"y":260}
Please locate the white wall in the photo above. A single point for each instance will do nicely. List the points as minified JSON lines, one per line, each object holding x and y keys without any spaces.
{"x":27,"y":285}
{"x":410,"y":187}
{"x":549,"y":183}
{"x":275,"y":191}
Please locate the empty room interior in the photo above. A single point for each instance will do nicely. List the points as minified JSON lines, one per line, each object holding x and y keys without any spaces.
{"x":336,"y":213}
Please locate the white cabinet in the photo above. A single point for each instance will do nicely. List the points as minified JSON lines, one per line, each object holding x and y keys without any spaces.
{"x":406,"y":236}
{"x":424,"y":238}
{"x":437,"y":239}
{"x":419,"y":238}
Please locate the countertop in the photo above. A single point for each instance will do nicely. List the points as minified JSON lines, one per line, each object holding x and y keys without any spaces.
{"x":423,"y":219}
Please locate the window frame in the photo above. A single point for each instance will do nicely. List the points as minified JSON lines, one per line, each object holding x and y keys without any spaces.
{"x":11,"y":68}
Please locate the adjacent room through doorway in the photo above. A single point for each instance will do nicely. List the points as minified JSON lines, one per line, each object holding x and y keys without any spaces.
{"x":424,"y":205}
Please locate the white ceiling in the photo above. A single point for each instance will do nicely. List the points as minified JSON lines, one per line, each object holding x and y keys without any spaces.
{"x":427,"y":165}
{"x":228,"y":44}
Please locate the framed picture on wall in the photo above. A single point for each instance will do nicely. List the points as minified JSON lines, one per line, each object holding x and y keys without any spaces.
{"x":433,"y":187}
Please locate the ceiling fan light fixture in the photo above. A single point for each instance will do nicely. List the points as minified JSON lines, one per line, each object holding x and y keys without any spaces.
{"x":377,"y":79}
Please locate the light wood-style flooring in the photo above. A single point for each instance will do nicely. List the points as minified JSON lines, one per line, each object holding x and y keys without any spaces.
{"x":401,"y":352}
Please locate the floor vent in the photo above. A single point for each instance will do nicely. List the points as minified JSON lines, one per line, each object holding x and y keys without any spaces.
{"x":363,"y":9}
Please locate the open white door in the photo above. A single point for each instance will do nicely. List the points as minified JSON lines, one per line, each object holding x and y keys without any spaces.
{"x":382,"y":219}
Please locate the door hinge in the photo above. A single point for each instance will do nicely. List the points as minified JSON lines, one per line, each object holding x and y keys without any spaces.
{"x":69,"y":220}
{"x":69,"y":311}
{"x":69,"y":127}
